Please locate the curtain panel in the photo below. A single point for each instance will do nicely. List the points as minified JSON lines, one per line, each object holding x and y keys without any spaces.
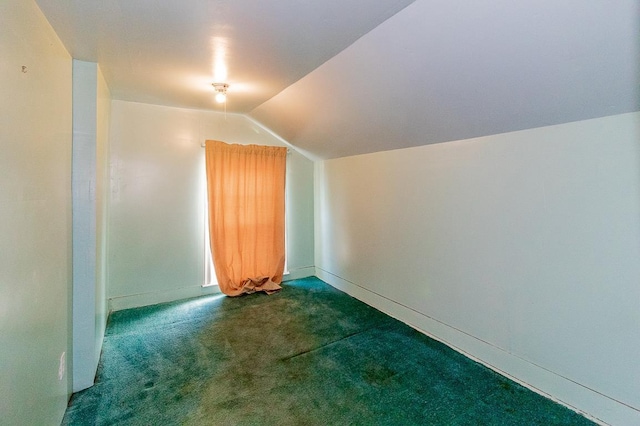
{"x":246,"y":193}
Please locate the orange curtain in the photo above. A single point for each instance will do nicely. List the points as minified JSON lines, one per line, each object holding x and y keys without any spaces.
{"x":245,"y":188}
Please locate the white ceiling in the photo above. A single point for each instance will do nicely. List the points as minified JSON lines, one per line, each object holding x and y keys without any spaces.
{"x":169,"y":52}
{"x":345,"y":77}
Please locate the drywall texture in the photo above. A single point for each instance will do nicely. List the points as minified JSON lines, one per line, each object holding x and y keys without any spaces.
{"x":103,"y":117}
{"x":156,"y":227}
{"x":522,"y":249}
{"x":35,"y":217}
{"x":84,"y":222}
{"x":91,"y":105}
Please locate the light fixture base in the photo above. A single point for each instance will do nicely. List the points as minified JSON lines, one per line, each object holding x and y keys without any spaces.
{"x":220,"y":87}
{"x":221,"y":91}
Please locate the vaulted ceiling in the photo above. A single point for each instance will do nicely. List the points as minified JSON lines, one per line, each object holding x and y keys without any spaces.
{"x":344,"y":77}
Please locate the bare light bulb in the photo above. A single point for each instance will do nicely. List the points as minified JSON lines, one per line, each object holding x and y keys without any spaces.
{"x":221,"y":98}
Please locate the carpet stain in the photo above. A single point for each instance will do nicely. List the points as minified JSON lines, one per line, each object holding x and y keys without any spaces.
{"x":308,"y":355}
{"x":506,"y":386}
{"x":377,"y":374}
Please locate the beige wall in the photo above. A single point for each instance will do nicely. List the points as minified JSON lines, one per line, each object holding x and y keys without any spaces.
{"x":156,"y":226}
{"x":521,"y":249}
{"x":35,"y":217}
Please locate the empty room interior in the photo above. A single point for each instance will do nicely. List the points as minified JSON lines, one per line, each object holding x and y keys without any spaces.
{"x":460,"y":174}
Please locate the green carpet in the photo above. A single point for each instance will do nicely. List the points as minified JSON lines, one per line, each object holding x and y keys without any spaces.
{"x":308,"y":355}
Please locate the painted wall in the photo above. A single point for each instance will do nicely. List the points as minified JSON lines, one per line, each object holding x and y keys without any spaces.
{"x":103,"y":117}
{"x":35,"y":217}
{"x":520,"y":249}
{"x":91,"y":106}
{"x":156,"y":237}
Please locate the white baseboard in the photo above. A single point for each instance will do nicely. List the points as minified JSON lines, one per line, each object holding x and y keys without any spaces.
{"x":298,"y":273}
{"x":145,"y":299}
{"x":590,"y":403}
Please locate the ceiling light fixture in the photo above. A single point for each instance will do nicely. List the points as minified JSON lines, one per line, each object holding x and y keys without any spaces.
{"x":221,"y":92}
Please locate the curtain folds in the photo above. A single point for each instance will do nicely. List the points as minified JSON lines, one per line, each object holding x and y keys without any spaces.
{"x":246,"y":193}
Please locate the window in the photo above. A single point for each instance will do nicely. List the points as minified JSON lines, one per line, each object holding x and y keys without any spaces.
{"x":209,"y":269}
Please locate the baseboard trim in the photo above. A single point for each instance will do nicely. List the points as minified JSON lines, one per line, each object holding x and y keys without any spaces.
{"x":144,"y":299}
{"x":591,"y":404}
{"x":119,"y":303}
{"x":298,"y":273}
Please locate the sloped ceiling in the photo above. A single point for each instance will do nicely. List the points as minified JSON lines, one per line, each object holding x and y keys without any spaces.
{"x":344,"y":77}
{"x":448,"y":70}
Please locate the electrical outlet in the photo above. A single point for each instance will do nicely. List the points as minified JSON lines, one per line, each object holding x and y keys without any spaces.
{"x":62,"y":366}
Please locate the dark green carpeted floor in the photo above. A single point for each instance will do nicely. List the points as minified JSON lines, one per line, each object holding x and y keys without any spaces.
{"x":312,"y":356}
